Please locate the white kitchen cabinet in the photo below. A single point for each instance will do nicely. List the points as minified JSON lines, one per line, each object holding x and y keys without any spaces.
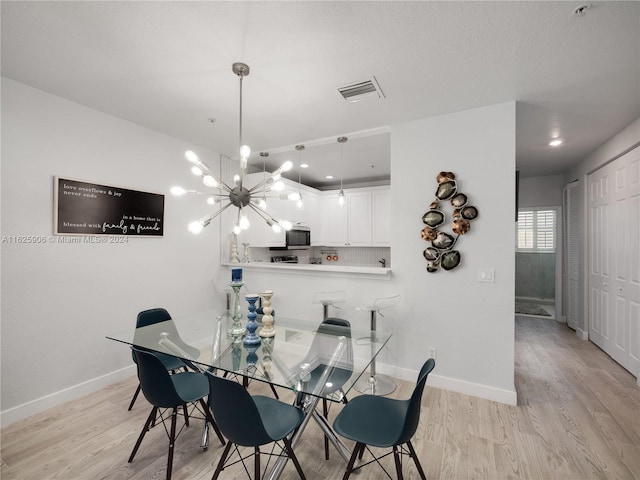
{"x":334,"y":221}
{"x":359,"y":220}
{"x":313,"y":216}
{"x":381,"y":200}
{"x":278,"y":209}
{"x":363,"y":221}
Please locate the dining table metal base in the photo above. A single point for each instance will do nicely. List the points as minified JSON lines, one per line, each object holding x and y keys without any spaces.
{"x":308,"y":406}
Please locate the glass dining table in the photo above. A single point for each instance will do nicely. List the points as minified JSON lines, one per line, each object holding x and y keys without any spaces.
{"x":302,"y":357}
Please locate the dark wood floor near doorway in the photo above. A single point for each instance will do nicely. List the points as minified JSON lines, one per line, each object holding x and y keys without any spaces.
{"x":578,"y":418}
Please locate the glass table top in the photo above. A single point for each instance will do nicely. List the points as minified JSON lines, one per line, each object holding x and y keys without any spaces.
{"x":302,"y":356}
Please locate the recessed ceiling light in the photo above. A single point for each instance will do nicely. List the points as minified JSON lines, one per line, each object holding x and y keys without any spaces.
{"x":555,"y":142}
{"x":304,"y":165}
{"x":329,"y":177}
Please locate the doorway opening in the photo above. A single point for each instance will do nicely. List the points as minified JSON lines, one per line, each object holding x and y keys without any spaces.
{"x":536,"y":267}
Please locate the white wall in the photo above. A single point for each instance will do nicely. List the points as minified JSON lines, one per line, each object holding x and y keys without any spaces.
{"x":60,"y":300}
{"x":617,"y":146}
{"x":537,"y":192}
{"x":470,"y":324}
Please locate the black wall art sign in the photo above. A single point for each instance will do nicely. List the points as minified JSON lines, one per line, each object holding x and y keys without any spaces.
{"x":84,"y":208}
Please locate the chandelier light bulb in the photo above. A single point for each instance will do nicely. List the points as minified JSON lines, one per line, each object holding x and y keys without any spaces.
{"x":341,"y":198}
{"x":286,"y":224}
{"x":196,"y":170}
{"x":177,"y":191}
{"x":191,"y":156}
{"x":237,"y":230}
{"x":209,"y":181}
{"x":244,"y":222}
{"x":278,"y":186}
{"x":245,"y":152}
{"x":213,"y":200}
{"x":262,"y":203}
{"x":276,"y":228}
{"x":236,"y":179}
{"x":295,"y":196}
{"x":196,"y":227}
{"x":286,"y":166}
{"x":300,"y":204}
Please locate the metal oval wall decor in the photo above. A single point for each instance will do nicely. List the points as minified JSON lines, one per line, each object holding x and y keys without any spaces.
{"x":441,"y":253}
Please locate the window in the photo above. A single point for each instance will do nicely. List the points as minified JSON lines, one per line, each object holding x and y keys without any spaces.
{"x":536,"y":231}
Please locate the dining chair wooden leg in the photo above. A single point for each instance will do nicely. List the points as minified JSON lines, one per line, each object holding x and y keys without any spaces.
{"x":273,"y":389}
{"x":135,"y":396}
{"x":256,"y":463}
{"x":416,"y":461}
{"x":292,"y":456}
{"x":172,"y":441}
{"x":352,"y":460}
{"x":396,"y":457}
{"x":151,"y":417}
{"x":223,"y":458}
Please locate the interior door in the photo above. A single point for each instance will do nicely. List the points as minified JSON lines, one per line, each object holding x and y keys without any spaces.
{"x":614,"y":258}
{"x":626,"y":269}
{"x":572,"y":255}
{"x":599,"y":249}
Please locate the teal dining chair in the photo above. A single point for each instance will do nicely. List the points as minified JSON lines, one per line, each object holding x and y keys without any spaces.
{"x":252,"y":421}
{"x":171,"y":364}
{"x":170,"y":393}
{"x":371,"y":420}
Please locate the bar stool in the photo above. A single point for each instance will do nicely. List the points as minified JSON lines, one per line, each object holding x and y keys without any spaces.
{"x":376,"y":383}
{"x":328,"y":299}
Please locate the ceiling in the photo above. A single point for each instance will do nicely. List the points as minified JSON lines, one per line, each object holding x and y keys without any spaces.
{"x":167,"y":66}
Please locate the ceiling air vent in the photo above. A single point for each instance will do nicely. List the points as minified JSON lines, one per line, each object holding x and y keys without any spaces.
{"x":361,"y":90}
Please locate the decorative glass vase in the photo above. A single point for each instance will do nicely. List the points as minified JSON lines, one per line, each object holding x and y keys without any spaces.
{"x":252,"y":325}
{"x":237,"y":329}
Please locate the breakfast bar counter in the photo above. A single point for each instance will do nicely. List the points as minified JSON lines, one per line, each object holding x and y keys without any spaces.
{"x":319,"y":269}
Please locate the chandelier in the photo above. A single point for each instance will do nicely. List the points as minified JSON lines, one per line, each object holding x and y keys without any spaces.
{"x":237,"y":194}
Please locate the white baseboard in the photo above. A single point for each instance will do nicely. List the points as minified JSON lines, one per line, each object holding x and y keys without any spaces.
{"x":11,"y":415}
{"x":582,"y":334}
{"x":510,"y":397}
{"x":20,"y":412}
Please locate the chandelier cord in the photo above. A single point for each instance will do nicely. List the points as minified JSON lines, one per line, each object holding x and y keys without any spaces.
{"x":241,"y":78}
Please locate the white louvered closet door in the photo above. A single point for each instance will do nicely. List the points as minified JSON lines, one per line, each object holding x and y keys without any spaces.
{"x":572,"y":256}
{"x":614,"y":260}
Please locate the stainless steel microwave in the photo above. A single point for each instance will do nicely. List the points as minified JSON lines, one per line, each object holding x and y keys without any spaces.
{"x":298,"y":238}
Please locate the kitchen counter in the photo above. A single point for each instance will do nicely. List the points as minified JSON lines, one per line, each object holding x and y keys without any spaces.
{"x":320,"y":269}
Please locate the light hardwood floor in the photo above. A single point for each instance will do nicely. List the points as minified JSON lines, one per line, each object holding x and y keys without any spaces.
{"x":578,"y":418}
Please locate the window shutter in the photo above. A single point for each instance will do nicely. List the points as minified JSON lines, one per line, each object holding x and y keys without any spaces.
{"x":536,"y":230}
